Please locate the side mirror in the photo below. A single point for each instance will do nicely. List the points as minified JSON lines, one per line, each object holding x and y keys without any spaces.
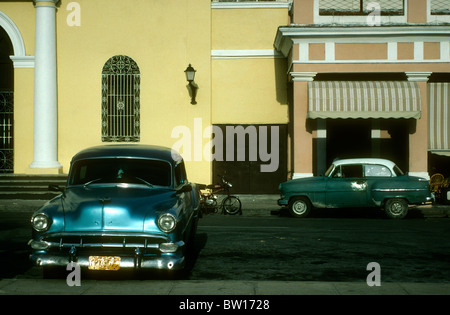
{"x":57,"y":189}
{"x":185,"y":188}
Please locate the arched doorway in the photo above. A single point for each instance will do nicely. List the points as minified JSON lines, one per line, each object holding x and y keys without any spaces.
{"x":6,"y":104}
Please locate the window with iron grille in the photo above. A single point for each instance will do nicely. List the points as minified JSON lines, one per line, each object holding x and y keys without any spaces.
{"x":120,"y":100}
{"x":440,"y":7}
{"x":360,"y":7}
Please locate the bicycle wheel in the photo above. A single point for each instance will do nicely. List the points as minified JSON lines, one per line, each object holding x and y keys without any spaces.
{"x":232,"y":205}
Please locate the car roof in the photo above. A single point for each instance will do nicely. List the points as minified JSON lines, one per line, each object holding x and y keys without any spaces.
{"x":384,"y":162}
{"x":129,"y":151}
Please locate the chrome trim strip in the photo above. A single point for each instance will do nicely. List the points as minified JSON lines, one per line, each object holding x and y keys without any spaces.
{"x":399,"y":189}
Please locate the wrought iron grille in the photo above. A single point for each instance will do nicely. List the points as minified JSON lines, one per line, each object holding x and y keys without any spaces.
{"x":440,"y":7}
{"x":6,"y":132}
{"x":120,"y":100}
{"x":359,"y":7}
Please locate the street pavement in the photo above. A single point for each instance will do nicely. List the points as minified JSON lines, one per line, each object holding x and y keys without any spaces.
{"x":253,"y":205}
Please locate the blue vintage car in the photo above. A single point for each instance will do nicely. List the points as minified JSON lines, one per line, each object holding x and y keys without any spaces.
{"x":124,"y":206}
{"x":356,"y":183}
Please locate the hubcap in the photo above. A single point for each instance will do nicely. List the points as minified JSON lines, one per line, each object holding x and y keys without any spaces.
{"x":299,"y":207}
{"x":397,"y":208}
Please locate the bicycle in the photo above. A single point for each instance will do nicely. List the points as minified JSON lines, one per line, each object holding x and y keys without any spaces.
{"x":208,"y":200}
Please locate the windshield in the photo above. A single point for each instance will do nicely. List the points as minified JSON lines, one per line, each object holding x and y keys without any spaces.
{"x":327,"y":173}
{"x":121,"y":170}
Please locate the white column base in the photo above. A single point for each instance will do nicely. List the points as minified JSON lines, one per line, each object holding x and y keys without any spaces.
{"x":45,"y":164}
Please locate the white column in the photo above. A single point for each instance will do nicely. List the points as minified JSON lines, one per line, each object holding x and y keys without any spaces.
{"x":45,"y":87}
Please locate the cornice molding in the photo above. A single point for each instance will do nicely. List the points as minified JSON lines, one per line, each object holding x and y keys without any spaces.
{"x":287,"y":35}
{"x":23,"y":62}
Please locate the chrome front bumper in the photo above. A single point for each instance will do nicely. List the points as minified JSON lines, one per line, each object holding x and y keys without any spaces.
{"x":135,"y":251}
{"x":169,"y":262}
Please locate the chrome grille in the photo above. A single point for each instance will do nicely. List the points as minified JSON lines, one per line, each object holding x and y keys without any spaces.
{"x":104,"y":241}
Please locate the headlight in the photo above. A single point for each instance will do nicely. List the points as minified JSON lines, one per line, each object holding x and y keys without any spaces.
{"x":40,"y":222}
{"x":167,"y":223}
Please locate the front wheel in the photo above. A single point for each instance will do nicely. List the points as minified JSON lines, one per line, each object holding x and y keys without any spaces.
{"x":300,"y":207}
{"x":396,"y":208}
{"x":232,"y":205}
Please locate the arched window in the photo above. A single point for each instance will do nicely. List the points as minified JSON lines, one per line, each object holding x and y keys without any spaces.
{"x":120,"y":100}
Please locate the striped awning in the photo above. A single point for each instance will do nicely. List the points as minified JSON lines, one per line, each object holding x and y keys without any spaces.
{"x":439,"y":118}
{"x":363,"y":99}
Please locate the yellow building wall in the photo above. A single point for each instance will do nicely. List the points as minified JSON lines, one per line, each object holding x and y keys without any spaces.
{"x":248,"y":90}
{"x":22,"y":13}
{"x":246,"y":28}
{"x":163,"y":37}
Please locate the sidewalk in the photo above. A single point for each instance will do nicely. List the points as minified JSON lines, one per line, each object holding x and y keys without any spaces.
{"x":264,"y":205}
{"x":216,"y":287}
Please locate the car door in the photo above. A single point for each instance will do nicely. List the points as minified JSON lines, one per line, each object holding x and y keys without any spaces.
{"x":374,"y":175}
{"x":346,"y":187}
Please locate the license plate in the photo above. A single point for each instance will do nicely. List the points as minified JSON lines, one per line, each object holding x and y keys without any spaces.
{"x":104,"y":263}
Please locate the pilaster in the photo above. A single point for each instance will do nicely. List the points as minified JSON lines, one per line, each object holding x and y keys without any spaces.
{"x":418,"y":138}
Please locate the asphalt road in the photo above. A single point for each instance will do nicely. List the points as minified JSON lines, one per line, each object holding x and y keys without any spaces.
{"x":326,"y":247}
{"x":322,"y":248}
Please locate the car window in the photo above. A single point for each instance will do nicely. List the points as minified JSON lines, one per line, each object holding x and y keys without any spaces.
{"x":376,"y":171}
{"x":348,"y":171}
{"x":121,"y":170}
{"x":398,"y":171}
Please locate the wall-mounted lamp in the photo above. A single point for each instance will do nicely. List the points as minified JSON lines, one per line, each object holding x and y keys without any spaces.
{"x":190,"y":75}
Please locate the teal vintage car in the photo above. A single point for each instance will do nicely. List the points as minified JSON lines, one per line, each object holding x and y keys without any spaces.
{"x":356,"y":183}
{"x":124,"y":207}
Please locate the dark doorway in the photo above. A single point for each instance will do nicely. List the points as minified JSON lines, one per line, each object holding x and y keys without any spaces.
{"x":256,"y":166}
{"x":348,"y":138}
{"x":6,"y":104}
{"x":396,"y":146}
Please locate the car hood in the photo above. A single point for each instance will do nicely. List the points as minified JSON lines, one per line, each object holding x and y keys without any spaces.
{"x":115,"y":208}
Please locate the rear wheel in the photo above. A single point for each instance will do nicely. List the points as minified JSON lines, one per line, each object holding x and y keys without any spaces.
{"x":299,"y":207}
{"x":396,"y":208}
